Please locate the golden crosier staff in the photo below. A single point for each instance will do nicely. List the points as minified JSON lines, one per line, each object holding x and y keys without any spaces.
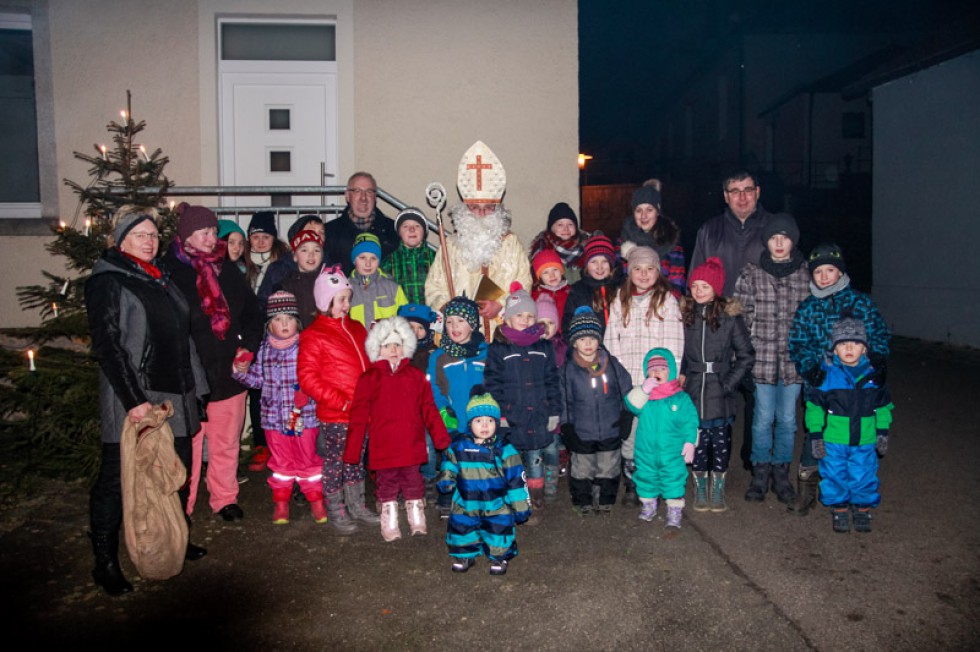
{"x":435,"y":193}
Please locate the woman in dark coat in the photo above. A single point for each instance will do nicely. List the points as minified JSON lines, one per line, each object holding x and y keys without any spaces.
{"x":718,"y":354}
{"x":141,"y":337}
{"x":226,"y":326}
{"x":649,"y":227}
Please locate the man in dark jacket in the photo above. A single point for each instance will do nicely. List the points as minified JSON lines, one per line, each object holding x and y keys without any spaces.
{"x":735,"y":237}
{"x":361,"y":215}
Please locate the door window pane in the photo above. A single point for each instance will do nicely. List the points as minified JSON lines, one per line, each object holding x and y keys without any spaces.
{"x":279,"y":162}
{"x":18,"y":128}
{"x":277,"y":42}
{"x":279,"y":119}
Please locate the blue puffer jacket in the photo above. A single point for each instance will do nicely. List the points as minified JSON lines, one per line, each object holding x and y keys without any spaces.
{"x":452,"y":378}
{"x":592,"y":400}
{"x":524,"y":381}
{"x":809,"y":335}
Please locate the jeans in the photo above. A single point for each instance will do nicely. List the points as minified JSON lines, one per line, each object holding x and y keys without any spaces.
{"x":774,"y":403}
{"x":536,"y":459}
{"x":430,"y":470}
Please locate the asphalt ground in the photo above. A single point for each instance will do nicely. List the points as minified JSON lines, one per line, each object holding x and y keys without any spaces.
{"x":751,"y":578}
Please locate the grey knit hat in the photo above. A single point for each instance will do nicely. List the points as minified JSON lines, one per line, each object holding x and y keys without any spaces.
{"x":126,"y":222}
{"x":519,"y":301}
{"x":849,"y":330}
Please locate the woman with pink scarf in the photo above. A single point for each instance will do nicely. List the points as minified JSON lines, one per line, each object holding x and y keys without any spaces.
{"x":226,"y":326}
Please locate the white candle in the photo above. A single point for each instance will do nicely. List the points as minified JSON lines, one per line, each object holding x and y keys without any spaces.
{"x":62,"y":225}
{"x":30,"y":358}
{"x":64,"y":288}
{"x":54,"y":308}
{"x":122,"y":114}
{"x":143,"y":152}
{"x":103,"y":149}
{"x":172,"y":204}
{"x":88,"y":225}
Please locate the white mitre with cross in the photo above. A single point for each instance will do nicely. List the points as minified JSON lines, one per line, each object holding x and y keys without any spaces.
{"x":481,"y":178}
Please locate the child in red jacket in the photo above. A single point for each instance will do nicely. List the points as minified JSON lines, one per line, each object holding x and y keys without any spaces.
{"x":331,"y":359}
{"x":549,"y":280}
{"x":393,"y":402}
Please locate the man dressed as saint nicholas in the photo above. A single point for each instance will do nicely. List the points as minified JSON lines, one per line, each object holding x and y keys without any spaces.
{"x":483,"y":244}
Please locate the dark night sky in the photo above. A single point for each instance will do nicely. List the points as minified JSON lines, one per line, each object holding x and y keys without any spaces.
{"x":634,"y":54}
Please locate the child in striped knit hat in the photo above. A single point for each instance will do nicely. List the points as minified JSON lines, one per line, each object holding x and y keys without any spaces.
{"x":485,"y":476}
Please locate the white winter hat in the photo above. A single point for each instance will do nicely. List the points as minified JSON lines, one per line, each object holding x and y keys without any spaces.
{"x":389,"y":331}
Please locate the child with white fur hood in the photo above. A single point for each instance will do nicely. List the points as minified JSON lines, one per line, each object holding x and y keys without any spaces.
{"x":393,"y":401}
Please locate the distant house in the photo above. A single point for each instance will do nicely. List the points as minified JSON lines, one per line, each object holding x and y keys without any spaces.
{"x":243,"y":92}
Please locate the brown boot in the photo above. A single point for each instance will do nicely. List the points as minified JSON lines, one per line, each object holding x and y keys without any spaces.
{"x":806,"y":496}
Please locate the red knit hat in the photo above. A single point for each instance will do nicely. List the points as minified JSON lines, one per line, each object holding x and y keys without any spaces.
{"x":711,"y":272}
{"x":194,"y":218}
{"x":306,"y":235}
{"x":599,"y":245}
{"x":545,"y":259}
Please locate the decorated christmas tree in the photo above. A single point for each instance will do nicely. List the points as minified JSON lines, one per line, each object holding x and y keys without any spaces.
{"x":49,"y":404}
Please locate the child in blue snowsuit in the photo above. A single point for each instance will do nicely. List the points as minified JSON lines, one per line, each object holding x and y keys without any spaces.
{"x":848,"y":417}
{"x":486,"y":479}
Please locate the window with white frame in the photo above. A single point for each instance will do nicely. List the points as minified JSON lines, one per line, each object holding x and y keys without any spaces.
{"x":20,"y":194}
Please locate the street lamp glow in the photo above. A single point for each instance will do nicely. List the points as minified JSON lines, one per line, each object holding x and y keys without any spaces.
{"x":582,"y":158}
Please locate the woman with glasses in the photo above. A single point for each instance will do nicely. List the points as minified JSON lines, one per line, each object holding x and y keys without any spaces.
{"x":141,"y":338}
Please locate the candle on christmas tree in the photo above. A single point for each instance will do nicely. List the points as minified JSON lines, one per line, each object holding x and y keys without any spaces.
{"x":30,"y":359}
{"x":54,"y":309}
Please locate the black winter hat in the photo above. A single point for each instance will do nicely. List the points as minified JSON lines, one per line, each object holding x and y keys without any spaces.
{"x":781,"y":224}
{"x":301,"y":223}
{"x":827,"y":254}
{"x":263,"y":222}
{"x":561,"y":211}
{"x":646,"y":195}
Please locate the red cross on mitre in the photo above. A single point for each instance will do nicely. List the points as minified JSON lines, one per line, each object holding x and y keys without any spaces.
{"x":479,"y":166}
{"x":480,"y":176}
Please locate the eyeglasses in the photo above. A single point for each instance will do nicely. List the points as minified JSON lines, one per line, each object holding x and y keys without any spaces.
{"x":142,"y":236}
{"x":367,"y":192}
{"x":741,"y":191}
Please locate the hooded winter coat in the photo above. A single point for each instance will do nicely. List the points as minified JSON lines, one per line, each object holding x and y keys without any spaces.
{"x":141,"y":337}
{"x":592,"y":403}
{"x":715,"y":361}
{"x":331,"y":359}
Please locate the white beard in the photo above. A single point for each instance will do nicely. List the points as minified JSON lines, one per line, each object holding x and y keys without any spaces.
{"x":479,"y":238}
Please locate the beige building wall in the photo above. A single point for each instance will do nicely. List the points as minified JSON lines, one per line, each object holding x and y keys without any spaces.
{"x":418,"y":81}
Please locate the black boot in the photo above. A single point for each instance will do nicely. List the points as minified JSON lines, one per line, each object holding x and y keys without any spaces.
{"x":107,"y":573}
{"x":807,"y":482}
{"x":193,"y":553}
{"x":630,"y":499}
{"x":760,"y":482}
{"x":781,"y":486}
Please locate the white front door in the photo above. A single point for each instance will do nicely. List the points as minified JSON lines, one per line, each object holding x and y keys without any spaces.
{"x":278,"y":125}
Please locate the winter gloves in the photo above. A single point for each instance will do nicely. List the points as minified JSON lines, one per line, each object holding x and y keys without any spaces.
{"x":688,"y":452}
{"x":449,"y":418}
{"x":881,"y":445}
{"x":817,"y":446}
{"x":553,"y":423}
{"x":815,"y":376}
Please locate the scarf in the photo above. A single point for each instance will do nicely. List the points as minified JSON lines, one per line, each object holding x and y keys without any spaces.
{"x":280,"y":344}
{"x":152,"y":270}
{"x":570,"y":251}
{"x":662,"y":390}
{"x":208,"y":266}
{"x":468,"y":350}
{"x":595,"y":368}
{"x":526,"y":337}
{"x":780,"y":269}
{"x":841,"y":283}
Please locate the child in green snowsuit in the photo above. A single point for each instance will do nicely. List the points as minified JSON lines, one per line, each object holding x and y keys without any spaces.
{"x":666,"y":436}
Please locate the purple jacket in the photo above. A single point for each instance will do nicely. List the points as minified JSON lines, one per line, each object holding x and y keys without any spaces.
{"x":274,"y":372}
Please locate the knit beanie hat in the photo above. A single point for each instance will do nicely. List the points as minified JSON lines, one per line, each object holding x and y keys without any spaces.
{"x":711,"y":272}
{"x":848,"y":330}
{"x":781,"y":224}
{"x":301,"y":223}
{"x":827,"y":254}
{"x":639,"y":255}
{"x":481,"y":404}
{"x":306,"y":235}
{"x":126,"y":223}
{"x":366,"y":243}
{"x":413,"y":215}
{"x":281,"y":303}
{"x":421,"y":314}
{"x":585,"y":323}
{"x":227,"y":227}
{"x":193,"y":218}
{"x":545,"y":259}
{"x":464,"y":307}
{"x":646,"y":195}
{"x":519,"y":301}
{"x":547,"y":308}
{"x":599,"y":245}
{"x":655,"y":362}
{"x":561,"y":211}
{"x":328,"y":284}
{"x":263,"y":222}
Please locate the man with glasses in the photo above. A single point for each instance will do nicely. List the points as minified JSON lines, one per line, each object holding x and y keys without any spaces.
{"x":735,"y":236}
{"x":360,"y":216}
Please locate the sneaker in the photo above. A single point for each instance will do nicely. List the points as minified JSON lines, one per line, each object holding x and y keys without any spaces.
{"x":841,"y":518}
{"x":603,"y":510}
{"x":582,"y":510}
{"x":444,"y":511}
{"x":463,"y":565}
{"x":498,"y":567}
{"x":242,"y":477}
{"x":649,"y":510}
{"x":862,"y":518}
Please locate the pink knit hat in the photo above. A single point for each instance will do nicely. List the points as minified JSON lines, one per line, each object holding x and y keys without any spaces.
{"x":328,"y":284}
{"x":547,"y":308}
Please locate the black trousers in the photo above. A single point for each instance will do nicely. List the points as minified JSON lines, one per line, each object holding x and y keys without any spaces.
{"x":105,"y":499}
